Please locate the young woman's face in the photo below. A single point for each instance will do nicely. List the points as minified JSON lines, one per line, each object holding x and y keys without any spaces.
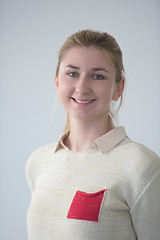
{"x":86,"y":83}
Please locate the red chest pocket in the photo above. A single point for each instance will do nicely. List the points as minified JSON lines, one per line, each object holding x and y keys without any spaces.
{"x":86,"y":206}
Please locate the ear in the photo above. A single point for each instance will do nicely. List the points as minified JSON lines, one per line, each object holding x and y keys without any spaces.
{"x":119,"y":87}
{"x":56,"y":82}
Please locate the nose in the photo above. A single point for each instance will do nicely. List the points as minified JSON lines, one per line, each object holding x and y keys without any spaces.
{"x":82,"y":85}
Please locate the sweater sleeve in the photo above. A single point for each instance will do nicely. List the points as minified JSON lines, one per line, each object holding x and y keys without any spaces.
{"x":146,"y":211}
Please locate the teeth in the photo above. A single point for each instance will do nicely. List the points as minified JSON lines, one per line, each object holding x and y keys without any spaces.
{"x":88,"y":101}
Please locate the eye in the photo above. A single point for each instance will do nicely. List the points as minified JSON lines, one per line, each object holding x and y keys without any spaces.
{"x":98,"y":77}
{"x":72,"y":74}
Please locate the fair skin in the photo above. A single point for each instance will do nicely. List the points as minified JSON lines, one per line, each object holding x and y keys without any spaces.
{"x":86,"y":86}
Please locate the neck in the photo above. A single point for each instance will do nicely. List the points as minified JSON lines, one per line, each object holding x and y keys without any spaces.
{"x":83,"y":133}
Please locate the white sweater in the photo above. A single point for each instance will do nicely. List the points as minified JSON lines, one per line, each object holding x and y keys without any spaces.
{"x":110,"y":192}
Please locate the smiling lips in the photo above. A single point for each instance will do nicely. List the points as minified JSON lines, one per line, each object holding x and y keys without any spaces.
{"x":83,"y":101}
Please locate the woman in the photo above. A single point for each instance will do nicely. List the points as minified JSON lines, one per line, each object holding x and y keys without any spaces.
{"x":94,"y":183}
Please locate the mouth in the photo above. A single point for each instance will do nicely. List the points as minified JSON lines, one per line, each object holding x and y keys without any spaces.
{"x":83,"y":101}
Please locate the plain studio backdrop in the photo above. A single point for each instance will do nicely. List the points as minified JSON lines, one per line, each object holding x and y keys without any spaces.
{"x":31,"y":33}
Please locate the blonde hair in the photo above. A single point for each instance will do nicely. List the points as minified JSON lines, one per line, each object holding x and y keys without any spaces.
{"x":102,"y":41}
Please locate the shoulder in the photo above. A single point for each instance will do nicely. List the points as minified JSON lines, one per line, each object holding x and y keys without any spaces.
{"x":37,"y":161}
{"x":140,"y":168}
{"x":137,"y":161}
{"x":41,"y":154}
{"x":138,"y":152}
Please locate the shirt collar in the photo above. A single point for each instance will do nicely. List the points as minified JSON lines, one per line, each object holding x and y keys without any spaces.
{"x":60,"y":143}
{"x":104,"y":143}
{"x":109,"y":140}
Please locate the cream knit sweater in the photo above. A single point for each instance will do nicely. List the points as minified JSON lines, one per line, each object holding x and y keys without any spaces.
{"x":110,"y":192}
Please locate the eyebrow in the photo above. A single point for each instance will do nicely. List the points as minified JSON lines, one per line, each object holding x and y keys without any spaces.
{"x":71,"y":66}
{"x":99,"y":69}
{"x":93,"y":69}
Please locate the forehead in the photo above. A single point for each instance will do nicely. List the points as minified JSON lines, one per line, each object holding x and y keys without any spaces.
{"x":86,"y":55}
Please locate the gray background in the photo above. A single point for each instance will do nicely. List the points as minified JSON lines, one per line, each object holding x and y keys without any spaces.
{"x":31,"y":33}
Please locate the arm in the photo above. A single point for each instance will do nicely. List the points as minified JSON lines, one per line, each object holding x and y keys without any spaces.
{"x":146,"y":211}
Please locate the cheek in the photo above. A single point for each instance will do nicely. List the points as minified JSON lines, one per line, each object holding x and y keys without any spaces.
{"x":106,"y":90}
{"x":63,"y":86}
{"x":65,"y":90}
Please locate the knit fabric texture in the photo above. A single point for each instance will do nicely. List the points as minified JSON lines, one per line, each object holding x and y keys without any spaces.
{"x":110,"y":192}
